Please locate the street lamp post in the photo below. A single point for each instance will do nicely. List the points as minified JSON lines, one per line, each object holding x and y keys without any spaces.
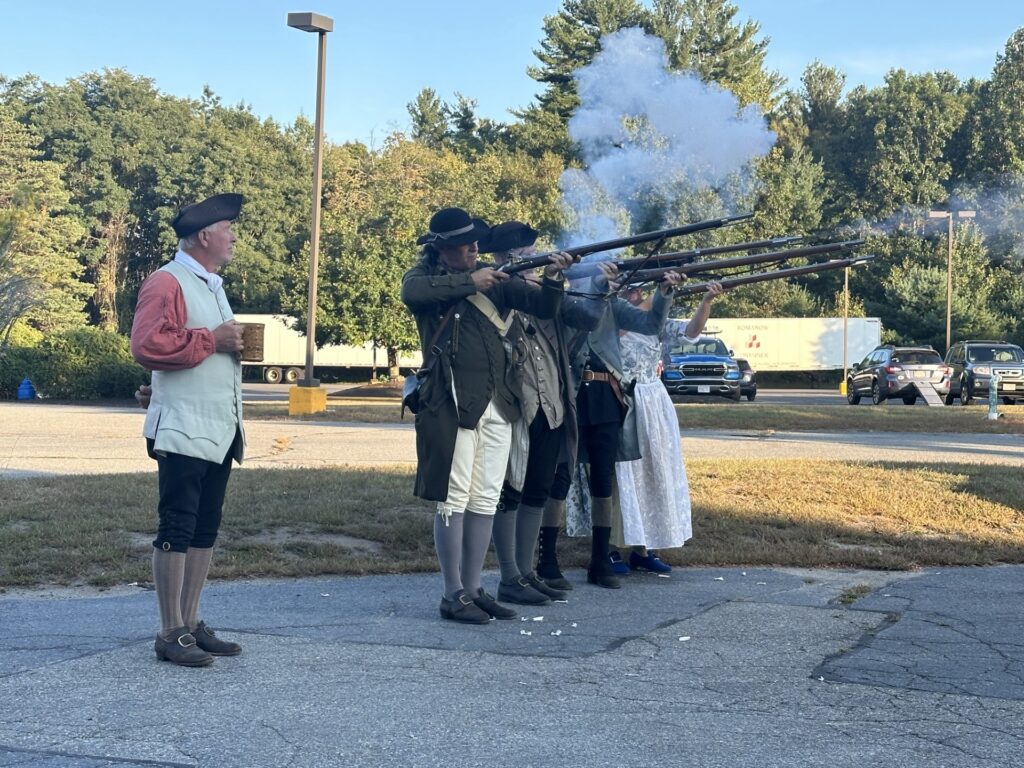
{"x":846,"y":326}
{"x":948,"y":215}
{"x":308,"y":397}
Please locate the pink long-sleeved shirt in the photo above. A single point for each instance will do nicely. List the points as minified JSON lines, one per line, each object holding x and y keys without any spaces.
{"x":160,"y":340}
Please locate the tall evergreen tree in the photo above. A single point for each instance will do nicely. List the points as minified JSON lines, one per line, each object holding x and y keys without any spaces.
{"x":571,"y":40}
{"x":705,"y":37}
{"x":999,"y":127}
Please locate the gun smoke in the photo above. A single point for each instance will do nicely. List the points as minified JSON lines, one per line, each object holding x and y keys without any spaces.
{"x":655,"y":144}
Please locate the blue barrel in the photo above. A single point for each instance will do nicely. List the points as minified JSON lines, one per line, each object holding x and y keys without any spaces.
{"x":26,"y":391}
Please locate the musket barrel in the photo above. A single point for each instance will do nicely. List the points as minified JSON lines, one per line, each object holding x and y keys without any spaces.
{"x":543,"y":259}
{"x":645,"y":275}
{"x":780,"y":274}
{"x":579,"y":271}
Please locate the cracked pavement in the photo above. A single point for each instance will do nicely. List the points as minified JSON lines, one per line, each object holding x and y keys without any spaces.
{"x":711,"y":667}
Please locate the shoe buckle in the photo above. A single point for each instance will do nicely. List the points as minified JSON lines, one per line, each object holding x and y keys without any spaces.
{"x":186,"y":644}
{"x":465,"y":599}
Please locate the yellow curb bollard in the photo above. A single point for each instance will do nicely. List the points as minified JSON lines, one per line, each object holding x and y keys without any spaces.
{"x":302,"y":400}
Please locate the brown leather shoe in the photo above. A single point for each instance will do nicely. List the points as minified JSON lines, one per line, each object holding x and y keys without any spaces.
{"x":463,"y":609}
{"x":181,"y":648}
{"x":213,"y":645}
{"x":520,"y":592}
{"x":489,"y":605}
{"x":545,"y":588}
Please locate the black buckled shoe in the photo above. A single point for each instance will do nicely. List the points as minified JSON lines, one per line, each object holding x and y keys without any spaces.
{"x":463,"y":609}
{"x":213,"y":645}
{"x":600,"y":573}
{"x":520,"y":592}
{"x":544,"y":588}
{"x":489,"y":605}
{"x":181,"y":648}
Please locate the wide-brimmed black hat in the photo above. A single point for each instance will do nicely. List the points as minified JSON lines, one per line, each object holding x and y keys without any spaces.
{"x":453,"y":226}
{"x":192,"y":218}
{"x":508,"y":236}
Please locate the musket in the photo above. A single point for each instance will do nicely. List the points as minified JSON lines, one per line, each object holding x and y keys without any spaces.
{"x":543,"y":259}
{"x":577,"y":271}
{"x":690,"y":289}
{"x":695,"y":268}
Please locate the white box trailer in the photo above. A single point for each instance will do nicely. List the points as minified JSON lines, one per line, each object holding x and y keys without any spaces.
{"x":797,"y":343}
{"x":284,"y":352}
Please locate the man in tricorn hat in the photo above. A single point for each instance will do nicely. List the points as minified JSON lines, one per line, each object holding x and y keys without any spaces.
{"x":184,"y":331}
{"x":463,"y":427}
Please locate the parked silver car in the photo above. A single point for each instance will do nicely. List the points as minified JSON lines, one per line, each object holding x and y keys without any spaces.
{"x":891,"y":371}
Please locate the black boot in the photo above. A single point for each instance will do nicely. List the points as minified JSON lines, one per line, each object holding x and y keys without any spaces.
{"x":599,"y":571}
{"x":547,"y":561}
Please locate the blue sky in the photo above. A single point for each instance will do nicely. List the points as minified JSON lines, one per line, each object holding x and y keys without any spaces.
{"x":382,"y":53}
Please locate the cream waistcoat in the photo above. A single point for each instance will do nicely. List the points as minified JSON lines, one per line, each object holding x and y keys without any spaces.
{"x":196,"y":412}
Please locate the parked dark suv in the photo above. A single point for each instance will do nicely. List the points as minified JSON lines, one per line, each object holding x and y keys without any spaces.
{"x":971,"y":364}
{"x":703,"y":367}
{"x":748,"y":382}
{"x":891,"y":372}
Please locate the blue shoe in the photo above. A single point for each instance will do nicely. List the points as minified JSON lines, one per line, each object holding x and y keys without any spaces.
{"x":618,"y":565}
{"x":650,"y":563}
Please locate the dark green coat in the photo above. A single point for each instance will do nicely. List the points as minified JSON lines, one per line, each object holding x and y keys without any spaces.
{"x":473,"y":356}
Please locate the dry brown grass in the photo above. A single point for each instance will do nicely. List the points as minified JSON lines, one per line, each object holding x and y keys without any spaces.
{"x":97,"y":529}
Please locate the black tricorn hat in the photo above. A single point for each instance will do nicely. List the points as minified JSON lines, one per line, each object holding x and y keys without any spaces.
{"x":192,"y":218}
{"x":508,"y":236}
{"x":453,"y":226}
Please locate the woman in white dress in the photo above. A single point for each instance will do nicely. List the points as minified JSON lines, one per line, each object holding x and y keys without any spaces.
{"x":654,"y":496}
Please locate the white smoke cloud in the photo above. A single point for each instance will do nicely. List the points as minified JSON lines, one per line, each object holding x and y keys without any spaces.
{"x":651,"y":138}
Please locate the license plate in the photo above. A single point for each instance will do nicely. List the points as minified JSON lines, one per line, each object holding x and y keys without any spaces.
{"x":1008,"y":386}
{"x":920,"y":374}
{"x":703,"y":389}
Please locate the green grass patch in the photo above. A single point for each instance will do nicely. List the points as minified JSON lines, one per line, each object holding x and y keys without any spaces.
{"x":727,"y":415}
{"x":97,"y":529}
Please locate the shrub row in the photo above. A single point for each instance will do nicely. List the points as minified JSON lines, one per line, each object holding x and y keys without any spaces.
{"x":80,"y":364}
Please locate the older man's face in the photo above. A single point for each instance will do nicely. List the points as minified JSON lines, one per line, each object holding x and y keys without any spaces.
{"x":219,"y":242}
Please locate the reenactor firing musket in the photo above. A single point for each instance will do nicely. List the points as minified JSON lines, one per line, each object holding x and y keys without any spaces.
{"x":648,"y":275}
{"x":543,"y":259}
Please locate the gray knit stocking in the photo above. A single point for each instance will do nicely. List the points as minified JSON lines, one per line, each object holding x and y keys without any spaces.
{"x":476,"y":536}
{"x":197,"y":566}
{"x":168,"y":575}
{"x":448,"y":543}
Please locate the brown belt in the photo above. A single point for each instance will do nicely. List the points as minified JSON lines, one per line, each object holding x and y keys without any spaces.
{"x":589,"y":375}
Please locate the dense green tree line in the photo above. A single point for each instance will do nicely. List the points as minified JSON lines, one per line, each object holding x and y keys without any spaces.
{"x":93,"y":170}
